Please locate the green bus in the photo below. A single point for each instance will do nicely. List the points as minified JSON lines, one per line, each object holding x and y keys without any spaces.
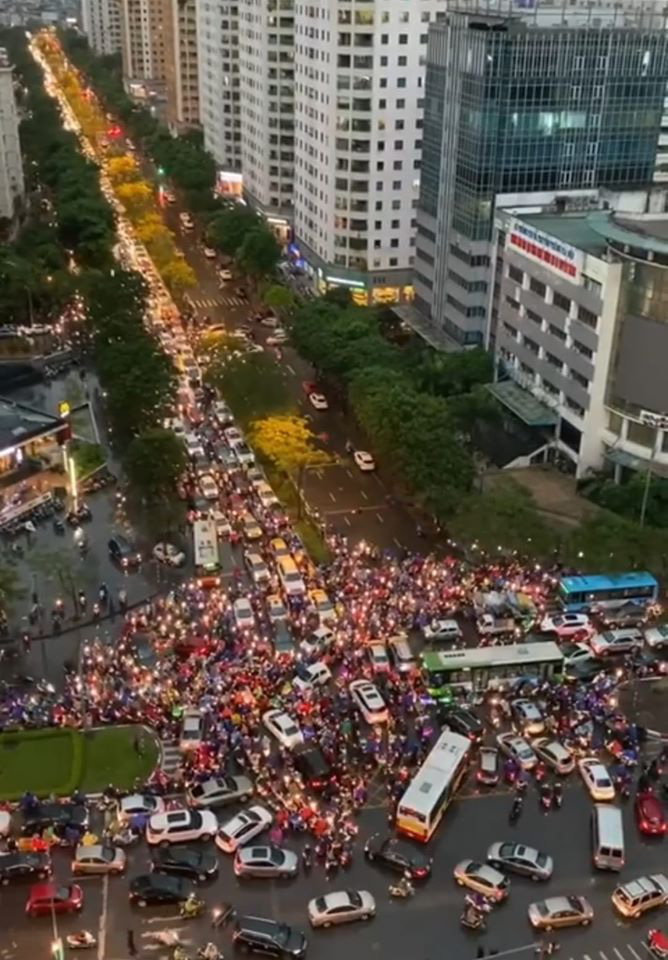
{"x":484,"y":668}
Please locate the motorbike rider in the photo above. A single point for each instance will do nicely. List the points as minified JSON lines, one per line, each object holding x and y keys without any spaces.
{"x":405,"y":886}
{"x":191,"y":906}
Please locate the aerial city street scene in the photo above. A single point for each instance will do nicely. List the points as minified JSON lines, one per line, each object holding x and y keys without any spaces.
{"x":333,"y":479}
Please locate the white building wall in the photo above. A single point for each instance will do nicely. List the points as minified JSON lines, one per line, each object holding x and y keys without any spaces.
{"x":218,"y":65}
{"x":101,"y":22}
{"x":12,"y":186}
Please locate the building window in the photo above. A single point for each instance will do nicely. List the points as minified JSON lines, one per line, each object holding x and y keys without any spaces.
{"x":592,"y":285}
{"x":537,"y":287}
{"x":587,"y":317}
{"x":563,"y":303}
{"x":580,"y":379}
{"x":534,"y":317}
{"x":554,"y":361}
{"x":615,"y":423}
{"x":556,"y":332}
{"x":583,"y":350}
{"x":531,"y":345}
{"x":549,"y":387}
{"x":575,"y":407}
{"x":641,"y":434}
{"x":510,"y":330}
{"x":512,"y":303}
{"x":516,"y":274}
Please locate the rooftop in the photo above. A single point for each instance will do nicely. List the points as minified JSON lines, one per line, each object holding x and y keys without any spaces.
{"x":19,"y":423}
{"x":572,"y":228}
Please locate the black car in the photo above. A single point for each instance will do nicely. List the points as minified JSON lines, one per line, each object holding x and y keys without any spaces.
{"x":122,"y":551}
{"x":310,"y":762}
{"x":140,"y":645}
{"x":462,"y":721}
{"x":15,"y":867}
{"x":284,"y":642}
{"x":152,"y":889}
{"x":398,"y":856}
{"x":192,"y":862}
{"x":585,"y":670}
{"x":268,"y":936}
{"x":56,"y":815}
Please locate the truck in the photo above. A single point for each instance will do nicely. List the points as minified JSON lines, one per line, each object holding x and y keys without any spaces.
{"x":491,"y":626}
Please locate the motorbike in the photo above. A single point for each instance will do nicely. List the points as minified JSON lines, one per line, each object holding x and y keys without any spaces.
{"x":477,"y":902}
{"x":168,"y":938}
{"x":403,"y":889}
{"x":516,"y":809}
{"x":192,"y":908}
{"x":80,"y":940}
{"x":546,"y":796}
{"x":472,"y":919}
{"x":209,"y":952}
{"x":558,"y":795}
{"x":657,"y":943}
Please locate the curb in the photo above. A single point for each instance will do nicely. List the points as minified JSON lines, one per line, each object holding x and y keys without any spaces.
{"x":80,"y":624}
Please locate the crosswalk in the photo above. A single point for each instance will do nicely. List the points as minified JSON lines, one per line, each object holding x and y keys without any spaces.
{"x":622,"y":951}
{"x":151,"y":943}
{"x":208,"y":303}
{"x":170,"y":758}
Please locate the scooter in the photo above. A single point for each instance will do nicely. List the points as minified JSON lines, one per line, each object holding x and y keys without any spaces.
{"x":516,"y":809}
{"x":472,"y":919}
{"x":209,"y":952}
{"x":191,"y":909}
{"x":403,"y":889}
{"x":80,"y":940}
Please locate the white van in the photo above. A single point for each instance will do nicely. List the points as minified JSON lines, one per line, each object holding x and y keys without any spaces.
{"x":290,"y":578}
{"x":192,"y":730}
{"x":607,"y":837}
{"x":401,"y":654}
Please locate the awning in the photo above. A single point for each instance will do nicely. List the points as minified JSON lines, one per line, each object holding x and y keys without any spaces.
{"x":622,"y":458}
{"x":523,"y":404}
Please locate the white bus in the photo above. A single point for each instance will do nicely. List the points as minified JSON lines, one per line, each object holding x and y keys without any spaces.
{"x":207,"y":559}
{"x":433,"y":787}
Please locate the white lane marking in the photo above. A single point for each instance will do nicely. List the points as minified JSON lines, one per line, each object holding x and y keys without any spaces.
{"x":397,"y":542}
{"x":350,"y":474}
{"x":620,"y":955}
{"x":290,"y":369}
{"x":364,"y":494}
{"x":347,"y":520}
{"x":380,"y":519}
{"x":331,"y":496}
{"x":176,"y":916}
{"x":634,"y":952}
{"x":602,"y":955}
{"x":102,"y":928}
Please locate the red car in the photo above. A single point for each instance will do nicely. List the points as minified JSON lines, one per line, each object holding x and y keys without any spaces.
{"x":649,"y":814}
{"x":56,"y":897}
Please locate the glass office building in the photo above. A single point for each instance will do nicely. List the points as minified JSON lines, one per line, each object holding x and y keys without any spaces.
{"x":524,"y":105}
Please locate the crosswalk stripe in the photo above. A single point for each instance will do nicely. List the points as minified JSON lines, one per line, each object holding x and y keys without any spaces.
{"x":634,"y":952}
{"x":602,"y":955}
{"x":620,"y":955}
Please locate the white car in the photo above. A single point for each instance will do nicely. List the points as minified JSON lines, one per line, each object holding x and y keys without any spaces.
{"x":244,"y":618}
{"x":378,"y":656}
{"x":194,"y":446}
{"x":5,"y":823}
{"x":168,"y":554}
{"x":209,"y":487}
{"x":447,"y":629}
{"x":311,"y":676}
{"x":218,"y":791}
{"x":278,"y":338}
{"x":181,"y":826}
{"x":555,"y":755}
{"x":242,"y":828}
{"x":517,"y":748}
{"x":97,"y":859}
{"x":566,"y":624}
{"x":266,"y":495}
{"x":192,"y":730}
{"x":257,"y":568}
{"x":209,"y":253}
{"x":341,"y":906}
{"x":319,"y":401}
{"x":223,"y":525}
{"x":225,"y":274}
{"x":656,"y":638}
{"x":138,"y":805}
{"x":233,"y":434}
{"x":242,"y":452}
{"x":364,"y":461}
{"x":528,"y":717}
{"x":271,"y":321}
{"x":284,"y":728}
{"x":596,"y":778}
{"x":276,"y":608}
{"x":368,"y":701}
{"x":222,"y":413}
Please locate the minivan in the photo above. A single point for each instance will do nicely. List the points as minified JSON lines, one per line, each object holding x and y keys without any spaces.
{"x":401,"y":654}
{"x":290,"y":577}
{"x":607,"y":837}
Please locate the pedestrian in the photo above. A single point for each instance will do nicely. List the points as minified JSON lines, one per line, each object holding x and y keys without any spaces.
{"x":132,"y":948}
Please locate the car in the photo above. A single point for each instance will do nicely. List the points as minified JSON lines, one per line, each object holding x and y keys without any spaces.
{"x":398,"y":856}
{"x":558,"y":912}
{"x":192,"y":730}
{"x":219,"y":791}
{"x":209,"y":487}
{"x":576,"y":653}
{"x":650,"y":815}
{"x":313,"y":767}
{"x":123,"y":551}
{"x":270,"y":320}
{"x":16,"y":867}
{"x":242,"y":611}
{"x":312,"y":675}
{"x":194,"y":446}
{"x":318,"y":401}
{"x":225,"y":274}
{"x":368,"y":701}
{"x":283,"y":727}
{"x":488,"y":767}
{"x":265,"y":495}
{"x":243,"y":827}
{"x":633,"y":898}
{"x":400,"y":652}
{"x":180,"y":826}
{"x":555,"y":755}
{"x":250,"y":527}
{"x":378,"y":656}
{"x":341,"y":906}
{"x":279,"y":547}
{"x":190,"y":862}
{"x":223,"y":525}
{"x":276,"y":608}
{"x":364,"y":461}
{"x":257,"y":568}
{"x":656,"y":638}
{"x":284,"y":642}
{"x":209,"y":253}
{"x":168,"y":554}
{"x":242,"y":452}
{"x":517,"y":748}
{"x":56,"y":815}
{"x":518,"y":858}
{"x":462,"y":720}
{"x":138,"y":805}
{"x":260,"y":935}
{"x":528,"y":717}
{"x":222,"y":412}
{"x":321,"y":605}
{"x":277,"y":338}
{"x":267,"y":860}
{"x":596,"y":779}
{"x":46,"y":899}
{"x":566,"y":624}
{"x":442,"y":630}
{"x":233,"y":434}
{"x":482,"y":878}
{"x":98,"y":858}
{"x":158,"y":889}
{"x":585,"y":670}
{"x":169,"y":197}
{"x":616,"y":642}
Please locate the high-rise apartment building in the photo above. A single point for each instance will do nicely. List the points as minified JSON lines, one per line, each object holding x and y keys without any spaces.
{"x":359,"y":71}
{"x":101,"y":22}
{"x":179,"y":19}
{"x":11,"y":169}
{"x":553,"y":98}
{"x":219,"y":87}
{"x":143,"y":46}
{"x":266,"y":70}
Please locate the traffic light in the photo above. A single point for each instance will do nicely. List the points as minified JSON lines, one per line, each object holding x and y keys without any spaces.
{"x":57,"y":950}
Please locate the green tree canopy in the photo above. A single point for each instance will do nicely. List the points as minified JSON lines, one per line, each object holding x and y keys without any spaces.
{"x":154,"y":462}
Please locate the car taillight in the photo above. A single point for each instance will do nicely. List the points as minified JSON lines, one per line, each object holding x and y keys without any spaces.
{"x":420,"y":872}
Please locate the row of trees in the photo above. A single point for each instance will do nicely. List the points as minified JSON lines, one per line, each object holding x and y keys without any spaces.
{"x":238,"y":232}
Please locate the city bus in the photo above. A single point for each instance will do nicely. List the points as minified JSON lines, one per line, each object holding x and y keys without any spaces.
{"x":205,"y":549}
{"x":432,"y":788}
{"x":483,"y":668}
{"x":607,"y":592}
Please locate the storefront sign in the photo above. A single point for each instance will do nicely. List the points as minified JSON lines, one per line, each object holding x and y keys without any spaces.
{"x":547,"y":250}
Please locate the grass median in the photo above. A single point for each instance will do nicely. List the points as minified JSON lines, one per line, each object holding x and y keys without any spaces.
{"x":59,"y":761}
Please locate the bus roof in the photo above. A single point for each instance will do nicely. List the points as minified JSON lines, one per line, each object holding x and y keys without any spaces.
{"x":435,"y":772}
{"x":515,"y":653}
{"x":612,"y":581}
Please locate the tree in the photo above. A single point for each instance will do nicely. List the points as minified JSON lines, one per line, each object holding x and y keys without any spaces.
{"x":259,"y":253}
{"x":178,"y":275}
{"x":339,"y":296}
{"x":279,"y":298}
{"x":155,"y":461}
{"x":123,"y":169}
{"x":290,"y":445}
{"x":227,"y":230}
{"x":253,"y":386}
{"x":136,"y":197}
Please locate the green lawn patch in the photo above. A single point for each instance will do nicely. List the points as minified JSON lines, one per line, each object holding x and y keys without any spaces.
{"x":61,"y":760}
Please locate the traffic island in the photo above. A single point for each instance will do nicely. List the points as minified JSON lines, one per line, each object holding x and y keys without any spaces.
{"x":60,"y":760}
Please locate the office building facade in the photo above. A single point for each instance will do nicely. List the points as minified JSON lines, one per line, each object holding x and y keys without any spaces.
{"x":101,"y":22}
{"x":12,"y":186}
{"x":557,"y":97}
{"x":179,"y":20}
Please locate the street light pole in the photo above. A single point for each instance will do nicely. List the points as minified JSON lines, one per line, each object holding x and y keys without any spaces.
{"x":648,"y":479}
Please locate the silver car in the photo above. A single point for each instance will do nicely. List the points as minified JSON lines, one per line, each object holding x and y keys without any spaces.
{"x":341,"y":906}
{"x":518,"y":858}
{"x":219,"y":791}
{"x":98,"y":858}
{"x":267,"y":860}
{"x":560,"y":912}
